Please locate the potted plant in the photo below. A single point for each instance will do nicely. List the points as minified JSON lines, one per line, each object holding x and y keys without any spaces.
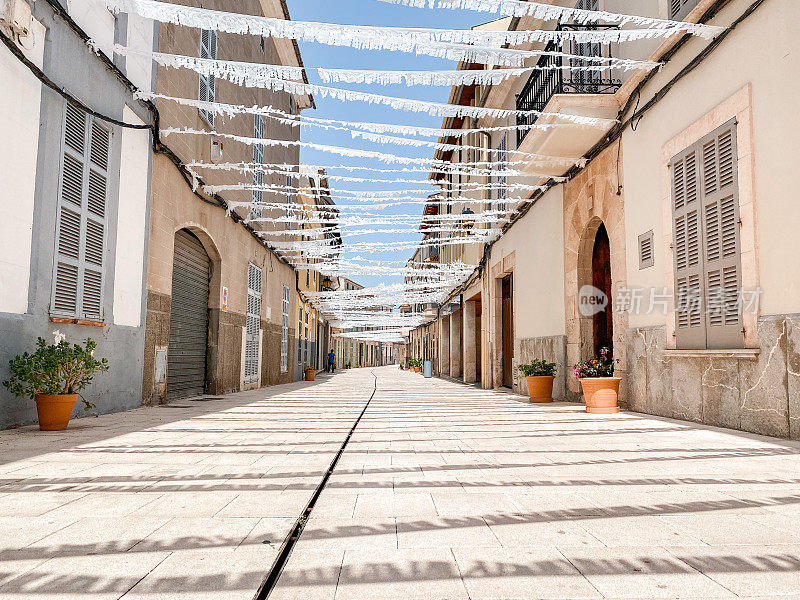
{"x":54,"y":376}
{"x":600,"y":387}
{"x":416,"y":365}
{"x":311,"y":373}
{"x":540,"y":375}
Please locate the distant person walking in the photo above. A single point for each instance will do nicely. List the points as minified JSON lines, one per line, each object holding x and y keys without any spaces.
{"x":331,"y":362}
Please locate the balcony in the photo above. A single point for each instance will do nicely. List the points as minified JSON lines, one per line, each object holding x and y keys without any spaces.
{"x":557,"y":89}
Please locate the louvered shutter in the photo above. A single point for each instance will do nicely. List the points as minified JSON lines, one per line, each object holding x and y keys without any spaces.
{"x":252,"y":348}
{"x":678,"y":9}
{"x":208,"y":83}
{"x":81,"y":225}
{"x":690,"y":327}
{"x":723,"y":272}
{"x":285,"y":331}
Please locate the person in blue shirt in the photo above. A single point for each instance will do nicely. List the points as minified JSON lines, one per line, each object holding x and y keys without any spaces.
{"x":331,"y":362}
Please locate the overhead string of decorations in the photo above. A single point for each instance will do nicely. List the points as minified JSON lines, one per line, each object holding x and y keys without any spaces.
{"x":310,"y":235}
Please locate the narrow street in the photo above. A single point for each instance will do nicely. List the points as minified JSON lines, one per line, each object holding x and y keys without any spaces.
{"x":444,"y":491}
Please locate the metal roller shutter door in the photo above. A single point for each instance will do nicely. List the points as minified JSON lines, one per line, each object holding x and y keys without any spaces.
{"x":188,"y":333}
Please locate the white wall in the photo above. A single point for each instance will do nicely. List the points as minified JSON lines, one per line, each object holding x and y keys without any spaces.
{"x":139,"y":69}
{"x":20,"y":99}
{"x":770,"y":66}
{"x":132,"y":223}
{"x":538,"y":244}
{"x":95,"y":19}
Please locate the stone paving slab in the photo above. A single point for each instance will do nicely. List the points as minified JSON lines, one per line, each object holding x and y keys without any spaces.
{"x":445,"y":492}
{"x":168,"y":503}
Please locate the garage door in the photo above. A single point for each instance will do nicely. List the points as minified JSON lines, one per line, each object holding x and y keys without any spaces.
{"x":188,"y":323}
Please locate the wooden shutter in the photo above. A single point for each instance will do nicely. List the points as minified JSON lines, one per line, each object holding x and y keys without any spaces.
{"x":708,"y":271}
{"x":723,"y":271}
{"x":678,"y":9}
{"x":81,"y":225}
{"x":690,"y":327}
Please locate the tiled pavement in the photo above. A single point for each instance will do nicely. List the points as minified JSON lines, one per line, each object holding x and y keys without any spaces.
{"x":445,"y":492}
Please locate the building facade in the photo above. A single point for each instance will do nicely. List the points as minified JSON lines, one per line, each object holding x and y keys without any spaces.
{"x":221,"y":305}
{"x":666,"y":239}
{"x":76,"y":195}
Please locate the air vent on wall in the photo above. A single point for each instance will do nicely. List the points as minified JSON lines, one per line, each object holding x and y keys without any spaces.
{"x":646,"y":256}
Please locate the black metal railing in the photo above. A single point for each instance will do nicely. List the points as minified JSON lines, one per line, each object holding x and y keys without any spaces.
{"x":554,"y":77}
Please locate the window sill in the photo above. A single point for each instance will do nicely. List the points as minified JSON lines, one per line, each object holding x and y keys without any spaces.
{"x":77,"y":322}
{"x":738,"y":353}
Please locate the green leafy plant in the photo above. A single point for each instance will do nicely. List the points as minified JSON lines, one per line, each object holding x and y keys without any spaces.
{"x":415,"y":362}
{"x":55,"y":369}
{"x":598,"y":366}
{"x":538,"y":368}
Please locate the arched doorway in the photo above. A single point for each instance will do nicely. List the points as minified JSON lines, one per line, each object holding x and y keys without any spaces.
{"x":603,"y":321}
{"x":188,"y":323}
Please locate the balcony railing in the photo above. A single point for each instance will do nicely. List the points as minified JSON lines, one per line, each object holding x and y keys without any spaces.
{"x":554,"y":78}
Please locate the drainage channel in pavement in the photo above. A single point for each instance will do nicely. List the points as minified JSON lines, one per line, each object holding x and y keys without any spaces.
{"x":274,"y":574}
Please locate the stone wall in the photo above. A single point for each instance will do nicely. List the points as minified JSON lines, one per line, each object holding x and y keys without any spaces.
{"x":551,"y":349}
{"x":756,"y":391}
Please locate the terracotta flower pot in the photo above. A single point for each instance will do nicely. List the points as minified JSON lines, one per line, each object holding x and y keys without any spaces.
{"x":54,"y":411}
{"x":311,"y":375}
{"x":540,"y":388}
{"x":601,"y":394}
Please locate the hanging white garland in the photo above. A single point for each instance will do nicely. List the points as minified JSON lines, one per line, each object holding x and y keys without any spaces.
{"x":451,"y":78}
{"x":438,"y":109}
{"x":264,"y":168}
{"x":239,"y":71}
{"x":370,"y":37}
{"x":292,"y":169}
{"x":355,"y":153}
{"x":549,"y":12}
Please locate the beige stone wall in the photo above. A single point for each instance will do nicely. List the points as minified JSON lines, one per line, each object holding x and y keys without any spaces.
{"x":229,"y":244}
{"x":743,"y":78}
{"x":593,"y":198}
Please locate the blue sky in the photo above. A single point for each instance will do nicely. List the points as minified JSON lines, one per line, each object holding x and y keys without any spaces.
{"x":374,"y":12}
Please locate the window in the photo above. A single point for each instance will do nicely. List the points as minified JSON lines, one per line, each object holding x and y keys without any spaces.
{"x":588,"y":4}
{"x":253,"y":329}
{"x":258,"y":160}
{"x":285,"y":331}
{"x":305,"y":337}
{"x":300,"y":336}
{"x":290,"y":196}
{"x":208,"y":83}
{"x":707,"y":246}
{"x":81,"y":226}
{"x":679,"y":9}
{"x":500,"y":162}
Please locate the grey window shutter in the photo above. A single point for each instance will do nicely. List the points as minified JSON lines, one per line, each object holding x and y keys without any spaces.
{"x":94,"y":247}
{"x":253,"y":327}
{"x":723,"y":270}
{"x":81,"y":224}
{"x":690,"y":327}
{"x":208,"y":83}
{"x":678,"y":9}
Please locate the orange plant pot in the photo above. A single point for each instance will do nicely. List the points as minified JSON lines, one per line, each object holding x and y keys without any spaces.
{"x":54,"y":411}
{"x":601,"y":394}
{"x":540,"y":388}
{"x":311,"y":375}
{"x":416,"y":369}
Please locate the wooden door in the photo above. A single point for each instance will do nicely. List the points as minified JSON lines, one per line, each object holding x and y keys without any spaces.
{"x":601,"y":279}
{"x":508,"y":331}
